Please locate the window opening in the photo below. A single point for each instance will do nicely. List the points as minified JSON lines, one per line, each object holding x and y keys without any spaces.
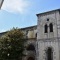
{"x":31,"y":47}
{"x":51,"y":27}
{"x":46,"y":28}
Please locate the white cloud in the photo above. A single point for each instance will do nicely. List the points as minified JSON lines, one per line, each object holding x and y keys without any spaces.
{"x":2,"y":30}
{"x":15,"y":6}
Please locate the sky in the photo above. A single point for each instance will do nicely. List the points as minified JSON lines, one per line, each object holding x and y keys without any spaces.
{"x":22,"y":13}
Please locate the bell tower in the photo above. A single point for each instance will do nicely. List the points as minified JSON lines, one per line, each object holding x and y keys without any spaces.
{"x":48,"y":35}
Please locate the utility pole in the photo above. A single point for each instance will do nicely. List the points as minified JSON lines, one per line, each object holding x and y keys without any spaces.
{"x":1,"y":2}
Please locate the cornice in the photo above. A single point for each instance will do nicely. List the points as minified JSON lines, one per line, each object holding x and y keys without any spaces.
{"x":48,"y":12}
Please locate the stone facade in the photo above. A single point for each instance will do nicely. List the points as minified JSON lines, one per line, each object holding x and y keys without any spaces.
{"x":48,"y":36}
{"x":30,"y":45}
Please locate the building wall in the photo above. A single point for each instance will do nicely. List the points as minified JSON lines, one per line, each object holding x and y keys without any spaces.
{"x":43,"y":46}
{"x":49,"y":39}
{"x":58,"y":23}
{"x":30,"y":35}
{"x":30,"y":32}
{"x":42,"y":20}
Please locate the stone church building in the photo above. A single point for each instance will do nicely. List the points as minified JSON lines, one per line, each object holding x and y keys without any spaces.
{"x":48,"y":35}
{"x":43,"y":40}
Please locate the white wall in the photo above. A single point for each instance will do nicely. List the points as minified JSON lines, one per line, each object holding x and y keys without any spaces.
{"x":42,"y":46}
{"x":42,"y":20}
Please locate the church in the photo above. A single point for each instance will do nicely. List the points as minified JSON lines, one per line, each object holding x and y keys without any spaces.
{"x":48,"y":35}
{"x":43,"y":39}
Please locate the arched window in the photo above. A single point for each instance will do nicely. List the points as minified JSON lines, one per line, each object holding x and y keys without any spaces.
{"x":51,"y":27}
{"x":31,"y":47}
{"x":49,"y":53}
{"x":46,"y":28}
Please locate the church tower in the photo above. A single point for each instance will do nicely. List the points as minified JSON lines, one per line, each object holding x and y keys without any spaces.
{"x":48,"y":35}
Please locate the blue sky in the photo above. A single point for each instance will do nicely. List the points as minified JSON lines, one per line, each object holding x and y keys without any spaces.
{"x":22,"y":13}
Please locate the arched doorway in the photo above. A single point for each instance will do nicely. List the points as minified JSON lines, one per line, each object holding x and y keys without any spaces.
{"x":49,"y":53}
{"x":30,"y":58}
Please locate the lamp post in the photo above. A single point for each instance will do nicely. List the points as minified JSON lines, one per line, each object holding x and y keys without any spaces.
{"x":1,"y":2}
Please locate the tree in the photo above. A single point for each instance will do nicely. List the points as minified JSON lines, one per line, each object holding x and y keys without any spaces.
{"x":12,"y":45}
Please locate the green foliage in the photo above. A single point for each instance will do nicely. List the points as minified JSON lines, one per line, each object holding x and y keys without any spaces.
{"x":12,"y":45}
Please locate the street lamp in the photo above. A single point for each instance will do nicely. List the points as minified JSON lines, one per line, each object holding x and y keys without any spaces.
{"x":1,"y":2}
